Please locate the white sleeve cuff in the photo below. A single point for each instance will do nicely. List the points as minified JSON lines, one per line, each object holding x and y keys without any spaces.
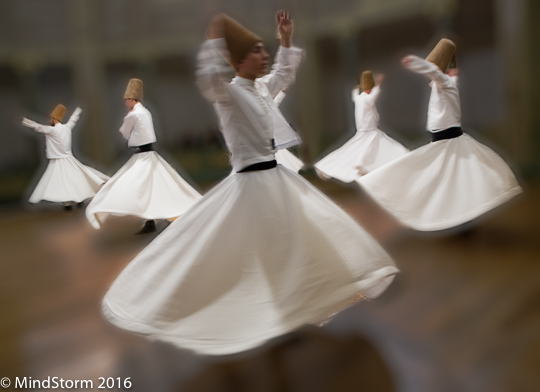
{"x":293,"y":50}
{"x":417,"y":64}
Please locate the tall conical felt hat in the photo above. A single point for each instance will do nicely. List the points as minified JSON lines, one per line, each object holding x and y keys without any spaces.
{"x":239,"y":39}
{"x":442,"y":54}
{"x":58,"y":112}
{"x":134,"y":89}
{"x":367,"y":80}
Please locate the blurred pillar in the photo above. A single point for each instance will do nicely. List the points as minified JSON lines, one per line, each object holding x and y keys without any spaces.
{"x":514,"y":44}
{"x":29,"y":85}
{"x":311,"y":112}
{"x":148,"y":71}
{"x":351,"y":70}
{"x":29,"y":82}
{"x":350,"y":58}
{"x":533,"y":82}
{"x":89,"y":80}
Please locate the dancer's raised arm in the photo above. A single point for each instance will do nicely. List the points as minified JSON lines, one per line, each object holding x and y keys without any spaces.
{"x":287,"y":60}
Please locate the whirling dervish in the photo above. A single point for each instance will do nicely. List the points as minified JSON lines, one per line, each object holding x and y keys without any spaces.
{"x":146,"y":186}
{"x":370,"y":147}
{"x":66,"y":180}
{"x":451,"y":180}
{"x":264,"y":251}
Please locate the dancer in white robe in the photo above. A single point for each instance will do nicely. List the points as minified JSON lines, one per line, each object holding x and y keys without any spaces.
{"x":146,"y":186}
{"x":370,"y":147}
{"x":450,"y":181}
{"x":66,"y":180}
{"x":285,"y":157}
{"x":263,"y":252}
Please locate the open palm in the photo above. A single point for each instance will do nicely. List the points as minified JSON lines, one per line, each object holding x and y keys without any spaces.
{"x":284,"y":22}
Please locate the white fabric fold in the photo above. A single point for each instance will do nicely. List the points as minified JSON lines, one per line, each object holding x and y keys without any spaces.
{"x":364,"y":152}
{"x":289,"y":160}
{"x":442,"y":184}
{"x":261,"y":254}
{"x":147,"y":187}
{"x":67,"y":180}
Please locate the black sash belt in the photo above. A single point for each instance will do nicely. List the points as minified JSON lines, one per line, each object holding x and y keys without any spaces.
{"x":449,"y":133}
{"x":143,"y":148}
{"x":259,"y":166}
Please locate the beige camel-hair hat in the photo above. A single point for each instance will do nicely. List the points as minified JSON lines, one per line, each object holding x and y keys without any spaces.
{"x":134,"y":90}
{"x":239,"y":39}
{"x":58,"y":112}
{"x":368,"y":82}
{"x":442,"y":54}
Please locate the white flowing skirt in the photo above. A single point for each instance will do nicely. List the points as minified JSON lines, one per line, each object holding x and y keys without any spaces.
{"x":363,"y":153}
{"x":67,"y":180}
{"x":442,"y":184}
{"x":289,"y":160}
{"x":260,"y":255}
{"x":147,"y":187}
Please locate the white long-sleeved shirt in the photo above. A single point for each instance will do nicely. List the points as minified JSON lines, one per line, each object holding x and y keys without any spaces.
{"x":279,"y":97}
{"x":248,"y":115}
{"x":57,"y":137}
{"x":444,"y":110}
{"x":138,"y":127}
{"x":365,"y":111}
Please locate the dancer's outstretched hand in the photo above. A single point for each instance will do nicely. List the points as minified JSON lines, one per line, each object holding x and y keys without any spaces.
{"x":406,"y":61}
{"x":285,"y":28}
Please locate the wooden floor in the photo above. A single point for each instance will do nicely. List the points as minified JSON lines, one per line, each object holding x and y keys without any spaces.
{"x":464,"y":315}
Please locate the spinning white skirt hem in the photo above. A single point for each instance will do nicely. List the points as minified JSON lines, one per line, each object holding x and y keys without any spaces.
{"x":364,"y":152}
{"x":146,"y":187}
{"x":289,"y":160}
{"x":67,"y":180}
{"x":260,"y":255}
{"x":442,"y":184}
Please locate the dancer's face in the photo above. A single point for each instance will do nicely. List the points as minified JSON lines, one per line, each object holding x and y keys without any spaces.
{"x":255,"y":63}
{"x":130,"y":103}
{"x":53,"y":121}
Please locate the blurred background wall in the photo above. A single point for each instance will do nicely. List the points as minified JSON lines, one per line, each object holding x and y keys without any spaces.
{"x":83,"y":52}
